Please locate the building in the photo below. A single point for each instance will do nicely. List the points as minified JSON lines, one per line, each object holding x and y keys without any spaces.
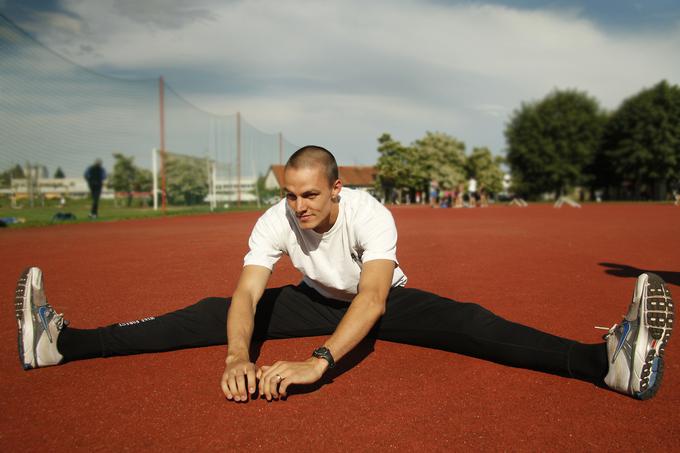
{"x":360,"y":177}
{"x":52,"y":188}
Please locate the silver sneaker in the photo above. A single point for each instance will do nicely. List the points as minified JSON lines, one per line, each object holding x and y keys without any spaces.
{"x":38,"y":324}
{"x":635,"y":347}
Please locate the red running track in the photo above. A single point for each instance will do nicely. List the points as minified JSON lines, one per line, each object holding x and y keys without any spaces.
{"x":539,"y":265}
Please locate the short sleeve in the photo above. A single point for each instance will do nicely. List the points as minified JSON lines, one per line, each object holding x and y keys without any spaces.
{"x":377,"y":233}
{"x":265,"y":241}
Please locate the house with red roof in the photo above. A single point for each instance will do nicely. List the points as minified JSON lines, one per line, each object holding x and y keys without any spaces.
{"x":352,"y":176}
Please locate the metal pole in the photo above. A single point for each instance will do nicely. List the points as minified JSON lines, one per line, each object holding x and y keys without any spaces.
{"x":161,"y":98}
{"x":280,"y":148}
{"x":154,"y":171}
{"x":238,"y":158}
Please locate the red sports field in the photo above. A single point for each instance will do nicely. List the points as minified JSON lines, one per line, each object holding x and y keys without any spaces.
{"x":539,"y":266}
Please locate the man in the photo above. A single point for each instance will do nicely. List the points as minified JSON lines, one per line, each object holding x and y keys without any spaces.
{"x":95,"y":176}
{"x":344,"y":243}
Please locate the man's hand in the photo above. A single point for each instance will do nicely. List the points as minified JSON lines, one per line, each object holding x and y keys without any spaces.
{"x":239,"y":372}
{"x":275,"y":379}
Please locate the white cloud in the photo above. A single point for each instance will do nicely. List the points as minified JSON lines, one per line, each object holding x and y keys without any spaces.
{"x":341,"y":73}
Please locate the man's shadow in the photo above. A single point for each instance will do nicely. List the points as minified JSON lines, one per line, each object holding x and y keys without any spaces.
{"x":349,"y":361}
{"x":623,"y":270}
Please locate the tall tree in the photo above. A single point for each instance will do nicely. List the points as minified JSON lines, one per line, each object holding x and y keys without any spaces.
{"x":442,"y":158}
{"x":486,"y":169}
{"x":124,"y":175}
{"x":59,"y":173}
{"x":552,"y":142}
{"x":187,"y":179}
{"x":641,"y":146}
{"x":394,"y":165}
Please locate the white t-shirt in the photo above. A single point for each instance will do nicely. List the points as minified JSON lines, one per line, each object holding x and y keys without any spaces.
{"x":330,"y":262}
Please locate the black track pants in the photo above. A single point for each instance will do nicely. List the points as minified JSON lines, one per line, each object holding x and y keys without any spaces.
{"x":412,"y":317}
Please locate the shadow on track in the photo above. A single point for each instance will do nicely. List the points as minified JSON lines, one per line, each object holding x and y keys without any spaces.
{"x":623,"y":270}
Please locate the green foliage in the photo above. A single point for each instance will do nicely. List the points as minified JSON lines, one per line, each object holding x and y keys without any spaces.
{"x":186,"y":179}
{"x":552,"y":142}
{"x":435,"y":157}
{"x":395,"y":165}
{"x":486,"y":169}
{"x":16,"y":172}
{"x":128,"y":178}
{"x":59,"y":173}
{"x":641,"y":145}
{"x":441,"y":158}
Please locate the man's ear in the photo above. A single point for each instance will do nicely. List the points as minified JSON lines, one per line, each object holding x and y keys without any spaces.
{"x":335,"y":190}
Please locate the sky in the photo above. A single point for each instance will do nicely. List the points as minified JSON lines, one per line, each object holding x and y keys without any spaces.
{"x":340,"y":73}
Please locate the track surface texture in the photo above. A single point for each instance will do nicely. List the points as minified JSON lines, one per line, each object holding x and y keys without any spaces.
{"x":539,"y":265}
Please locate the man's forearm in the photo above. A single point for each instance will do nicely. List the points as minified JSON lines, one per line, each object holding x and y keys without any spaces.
{"x":240,"y":322}
{"x":360,"y":318}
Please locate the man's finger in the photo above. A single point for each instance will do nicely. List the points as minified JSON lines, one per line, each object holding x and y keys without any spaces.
{"x":283,"y":386}
{"x":250,"y":373}
{"x":275,"y":380}
{"x":225,"y":387}
{"x":231,"y":383}
{"x":241,"y":385}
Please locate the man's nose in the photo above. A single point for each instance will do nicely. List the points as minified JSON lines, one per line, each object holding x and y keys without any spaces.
{"x":300,"y":205}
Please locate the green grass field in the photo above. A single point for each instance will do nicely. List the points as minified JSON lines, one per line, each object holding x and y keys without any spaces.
{"x":108,"y":211}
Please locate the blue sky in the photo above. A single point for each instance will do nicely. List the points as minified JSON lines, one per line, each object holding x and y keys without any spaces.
{"x":340,"y":73}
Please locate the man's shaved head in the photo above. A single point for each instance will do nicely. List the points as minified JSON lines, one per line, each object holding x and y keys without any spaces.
{"x":315,"y":156}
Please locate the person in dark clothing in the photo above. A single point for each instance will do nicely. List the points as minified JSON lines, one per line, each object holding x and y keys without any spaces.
{"x":95,"y":176}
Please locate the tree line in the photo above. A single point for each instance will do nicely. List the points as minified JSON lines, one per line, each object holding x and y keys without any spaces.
{"x":404,"y":171}
{"x":565,"y":141}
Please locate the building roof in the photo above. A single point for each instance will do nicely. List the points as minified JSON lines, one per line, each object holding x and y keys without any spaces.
{"x":350,"y":175}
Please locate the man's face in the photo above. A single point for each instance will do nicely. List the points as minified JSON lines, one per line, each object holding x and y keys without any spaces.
{"x":311,"y":197}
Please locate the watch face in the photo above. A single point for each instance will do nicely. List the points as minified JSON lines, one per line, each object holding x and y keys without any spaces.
{"x":324,"y":353}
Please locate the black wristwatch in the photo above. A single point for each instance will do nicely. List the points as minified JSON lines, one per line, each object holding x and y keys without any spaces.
{"x":324,"y":353}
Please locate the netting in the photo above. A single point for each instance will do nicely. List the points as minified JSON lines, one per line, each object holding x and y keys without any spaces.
{"x":55,"y":114}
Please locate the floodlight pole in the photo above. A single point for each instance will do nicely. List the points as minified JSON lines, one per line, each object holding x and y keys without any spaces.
{"x":154,"y":173}
{"x":161,"y":98}
{"x":238,"y":158}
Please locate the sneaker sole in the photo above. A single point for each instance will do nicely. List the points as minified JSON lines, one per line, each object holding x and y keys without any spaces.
{"x":22,"y":308}
{"x":657,"y":313}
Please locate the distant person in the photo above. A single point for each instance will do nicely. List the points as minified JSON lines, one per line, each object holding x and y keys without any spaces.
{"x":472,"y":193}
{"x":434,"y":194}
{"x":458,"y":202}
{"x":483,"y":197}
{"x":95,"y":176}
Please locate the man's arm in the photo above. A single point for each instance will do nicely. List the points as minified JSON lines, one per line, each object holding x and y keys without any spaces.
{"x":240,"y":322}
{"x":365,"y":310}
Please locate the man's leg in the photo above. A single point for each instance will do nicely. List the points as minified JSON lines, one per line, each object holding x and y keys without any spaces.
{"x":425,"y":319}
{"x":287,"y":312}
{"x":96,"y":193}
{"x":45,"y":339}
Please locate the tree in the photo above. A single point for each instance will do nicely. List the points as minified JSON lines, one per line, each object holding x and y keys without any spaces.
{"x":124,"y":175}
{"x":442,"y":159}
{"x":551,"y":143}
{"x":59,"y":173}
{"x":187,"y":179}
{"x":486,"y":169}
{"x":393,"y":166}
{"x":16,"y":172}
{"x":641,"y":145}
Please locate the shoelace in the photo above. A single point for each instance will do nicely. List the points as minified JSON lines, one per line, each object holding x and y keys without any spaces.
{"x":59,"y":320}
{"x":609,"y":329}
